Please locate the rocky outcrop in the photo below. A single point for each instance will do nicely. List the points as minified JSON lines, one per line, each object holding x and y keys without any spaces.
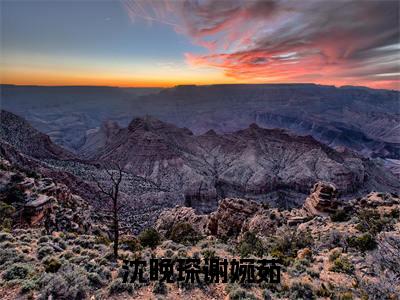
{"x":180,"y":214}
{"x":322,"y":200}
{"x":228,"y":220}
{"x":41,"y":201}
{"x":264,"y":222}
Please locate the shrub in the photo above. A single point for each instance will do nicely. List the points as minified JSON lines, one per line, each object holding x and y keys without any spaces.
{"x":95,"y":280}
{"x":149,"y":238}
{"x":250,"y":244}
{"x":6,"y":214}
{"x":44,"y":239}
{"x":345,"y":296}
{"x":17,"y":271}
{"x":69,"y":283}
{"x":300,"y":290}
{"x":45,"y":251}
{"x":10,"y":256}
{"x":67,"y":255}
{"x":342,"y":265}
{"x":394,"y":213}
{"x":130,"y":243}
{"x":118,"y":287}
{"x":340,"y":215}
{"x":183,"y":233}
{"x":208,"y":253}
{"x":102,"y":240}
{"x":76,"y":249}
{"x":28,"y":285}
{"x":5,"y":237}
{"x":7,"y":245}
{"x":51,"y":264}
{"x":160,"y":288}
{"x":168,"y":253}
{"x":287,"y":243}
{"x":85,"y":241}
{"x":241,"y":294}
{"x":334,"y":255}
{"x":363,"y":243}
{"x":371,"y":221}
{"x":170,"y":245}
{"x":300,"y":266}
{"x":14,"y":195}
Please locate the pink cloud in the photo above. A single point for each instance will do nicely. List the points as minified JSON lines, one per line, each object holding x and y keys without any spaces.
{"x":335,"y":42}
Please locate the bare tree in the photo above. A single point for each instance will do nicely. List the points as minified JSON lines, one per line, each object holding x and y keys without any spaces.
{"x":111,"y":192}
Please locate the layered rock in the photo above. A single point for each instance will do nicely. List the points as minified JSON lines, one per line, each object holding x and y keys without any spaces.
{"x":228,"y":220}
{"x":267,"y":165}
{"x":42,"y":201}
{"x":232,"y":217}
{"x":322,"y":200}
{"x":180,"y":214}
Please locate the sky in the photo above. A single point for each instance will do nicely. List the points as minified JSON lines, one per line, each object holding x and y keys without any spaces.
{"x":167,"y":43}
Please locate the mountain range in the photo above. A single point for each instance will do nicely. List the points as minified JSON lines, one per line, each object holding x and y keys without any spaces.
{"x":362,"y":119}
{"x":172,"y":165}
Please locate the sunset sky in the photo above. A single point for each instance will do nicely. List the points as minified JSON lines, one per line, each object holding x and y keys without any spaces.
{"x":166,"y":43}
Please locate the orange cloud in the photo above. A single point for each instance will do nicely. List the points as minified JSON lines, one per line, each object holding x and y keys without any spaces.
{"x":335,"y":42}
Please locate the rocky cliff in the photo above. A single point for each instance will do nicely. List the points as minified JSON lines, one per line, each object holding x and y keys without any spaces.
{"x":269,"y":165}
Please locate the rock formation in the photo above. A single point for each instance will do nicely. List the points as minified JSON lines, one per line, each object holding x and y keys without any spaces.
{"x":322,"y":200}
{"x":180,"y":214}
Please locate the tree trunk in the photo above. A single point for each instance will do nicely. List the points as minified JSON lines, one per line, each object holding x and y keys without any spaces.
{"x":116,"y":230}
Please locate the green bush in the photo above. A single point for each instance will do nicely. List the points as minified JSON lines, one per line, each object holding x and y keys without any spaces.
{"x":17,"y":271}
{"x":241,"y":294}
{"x":95,"y":280}
{"x":6,"y":237}
{"x":69,"y":283}
{"x":287,"y":243}
{"x":44,"y":251}
{"x":371,"y":221}
{"x":6,"y":215}
{"x":208,"y":253}
{"x":345,"y":296}
{"x":44,"y":239}
{"x":102,"y":240}
{"x":300,"y":290}
{"x":340,"y":215}
{"x":250,"y":244}
{"x":10,"y":256}
{"x":118,"y":287}
{"x":334,"y":255}
{"x":342,"y":265}
{"x":183,"y":233}
{"x":51,"y":264}
{"x":149,"y":238}
{"x":363,"y":243}
{"x":28,"y":285}
{"x":76,"y":249}
{"x":130,"y":243}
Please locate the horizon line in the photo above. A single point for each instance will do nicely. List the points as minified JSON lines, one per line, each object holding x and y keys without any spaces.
{"x":197,"y":85}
